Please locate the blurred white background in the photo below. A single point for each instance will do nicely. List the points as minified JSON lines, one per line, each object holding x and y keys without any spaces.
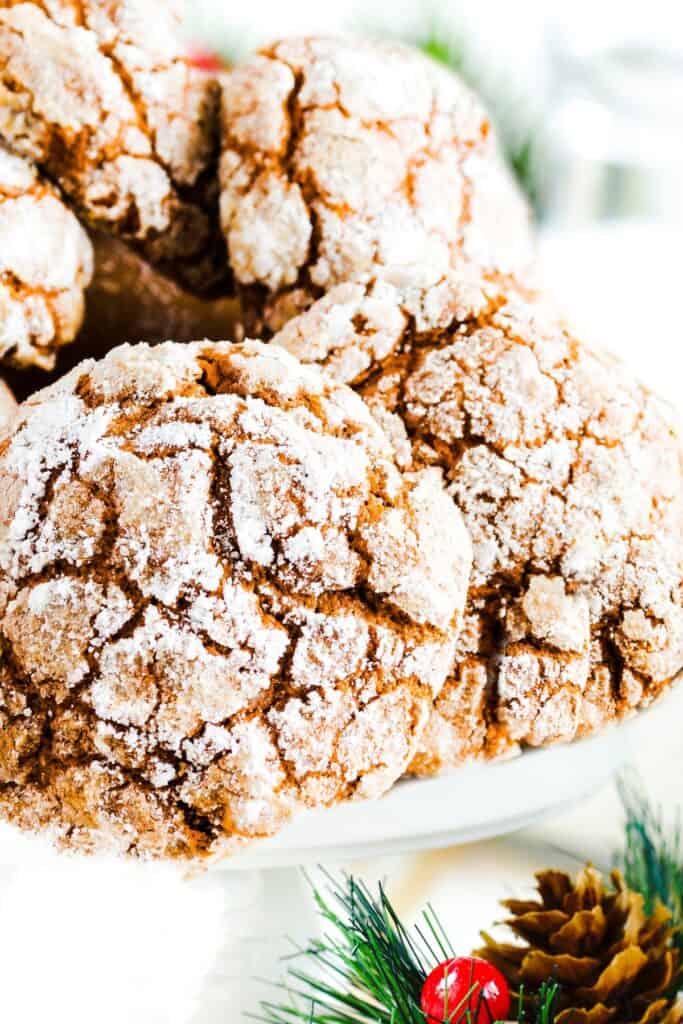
{"x":596,"y":90}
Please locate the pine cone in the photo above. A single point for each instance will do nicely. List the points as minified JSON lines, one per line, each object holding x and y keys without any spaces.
{"x":613,"y":963}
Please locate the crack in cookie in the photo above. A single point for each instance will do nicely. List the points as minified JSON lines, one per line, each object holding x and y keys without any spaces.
{"x":568,"y":474}
{"x":324,"y":180}
{"x":220,"y":600}
{"x":102,"y":98}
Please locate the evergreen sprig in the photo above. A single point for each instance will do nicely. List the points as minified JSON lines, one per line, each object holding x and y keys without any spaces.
{"x":369,"y":968}
{"x":652,"y":856}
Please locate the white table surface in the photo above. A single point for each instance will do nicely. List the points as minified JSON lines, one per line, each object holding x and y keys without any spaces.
{"x":119,"y":944}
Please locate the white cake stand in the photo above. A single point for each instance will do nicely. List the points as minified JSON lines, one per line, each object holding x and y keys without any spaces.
{"x":467,"y":804}
{"x":473,"y":803}
{"x":198,"y":945}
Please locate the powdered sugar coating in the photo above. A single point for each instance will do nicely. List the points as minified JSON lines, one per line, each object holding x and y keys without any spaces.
{"x":219,"y":600}
{"x":45,"y":265}
{"x":568,"y":474}
{"x":102,"y":97}
{"x":346,"y":159}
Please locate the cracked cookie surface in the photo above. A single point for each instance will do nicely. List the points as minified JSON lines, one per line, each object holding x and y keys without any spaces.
{"x":345,"y":159}
{"x":220,"y":600}
{"x":568,"y":474}
{"x":45,"y":266}
{"x":102,"y":98}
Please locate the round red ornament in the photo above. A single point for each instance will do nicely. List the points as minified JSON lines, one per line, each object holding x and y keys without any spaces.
{"x":205,"y":60}
{"x":461,"y":984}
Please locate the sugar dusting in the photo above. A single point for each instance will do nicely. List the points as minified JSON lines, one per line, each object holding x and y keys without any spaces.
{"x":346,"y":160}
{"x":102,"y":98}
{"x":568,"y":474}
{"x":218,"y":600}
{"x":46,"y":263}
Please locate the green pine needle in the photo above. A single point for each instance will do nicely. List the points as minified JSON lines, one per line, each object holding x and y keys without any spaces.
{"x":442,"y":48}
{"x":546,"y":1006}
{"x":652,"y":858}
{"x":368,"y":968}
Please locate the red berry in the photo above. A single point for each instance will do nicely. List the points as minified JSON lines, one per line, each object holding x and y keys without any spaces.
{"x":204,"y":59}
{"x":462,"y":984}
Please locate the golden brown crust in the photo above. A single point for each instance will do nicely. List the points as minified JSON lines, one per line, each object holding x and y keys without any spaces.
{"x":103,"y":99}
{"x":569,"y":476}
{"x":219,"y":600}
{"x":344,"y":159}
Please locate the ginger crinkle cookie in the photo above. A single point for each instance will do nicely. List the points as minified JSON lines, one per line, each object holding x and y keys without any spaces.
{"x":45,"y":265}
{"x":568,"y":473}
{"x":219,"y":600}
{"x":342,"y":159}
{"x":101,"y":97}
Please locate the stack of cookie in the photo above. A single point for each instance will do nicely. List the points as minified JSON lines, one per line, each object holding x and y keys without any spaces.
{"x":416,"y":522}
